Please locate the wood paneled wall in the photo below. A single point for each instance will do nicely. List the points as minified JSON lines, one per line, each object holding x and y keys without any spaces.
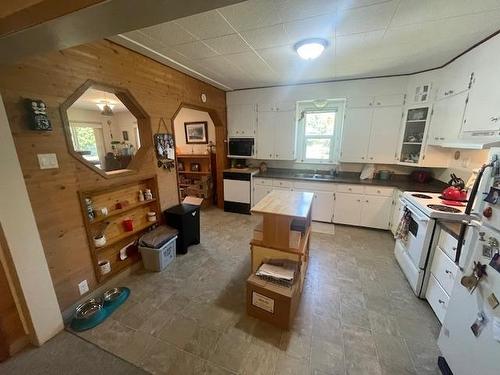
{"x":53,"y":193}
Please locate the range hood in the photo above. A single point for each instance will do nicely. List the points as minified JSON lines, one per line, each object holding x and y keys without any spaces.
{"x":475,"y":141}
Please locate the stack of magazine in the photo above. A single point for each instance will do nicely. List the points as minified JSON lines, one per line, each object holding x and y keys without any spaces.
{"x":279,"y":271}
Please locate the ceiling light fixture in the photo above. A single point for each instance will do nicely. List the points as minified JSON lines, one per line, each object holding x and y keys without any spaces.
{"x":310,"y":49}
{"x":106,"y":108}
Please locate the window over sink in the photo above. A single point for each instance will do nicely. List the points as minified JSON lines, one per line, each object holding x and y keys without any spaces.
{"x":319,"y":127}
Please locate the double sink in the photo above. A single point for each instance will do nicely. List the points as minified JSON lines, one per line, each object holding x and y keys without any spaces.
{"x":315,"y":176}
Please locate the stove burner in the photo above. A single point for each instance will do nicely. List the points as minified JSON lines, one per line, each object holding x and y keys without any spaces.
{"x":442,"y":208}
{"x":423,"y":196}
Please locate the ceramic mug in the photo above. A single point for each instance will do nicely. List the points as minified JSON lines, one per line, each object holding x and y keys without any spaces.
{"x":128,"y":225}
{"x":100,"y":241}
{"x":104,"y":267}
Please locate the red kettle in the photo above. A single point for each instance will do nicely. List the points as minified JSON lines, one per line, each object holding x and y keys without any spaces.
{"x":456,"y":191}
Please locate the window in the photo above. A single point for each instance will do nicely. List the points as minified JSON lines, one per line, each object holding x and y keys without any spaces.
{"x":319,"y":130}
{"x":88,"y":140}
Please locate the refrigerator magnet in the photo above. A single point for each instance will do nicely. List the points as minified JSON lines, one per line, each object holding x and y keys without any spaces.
{"x":493,"y":196}
{"x":478,"y":325}
{"x":488,"y":251}
{"x":495,"y":262}
{"x":493,"y":301}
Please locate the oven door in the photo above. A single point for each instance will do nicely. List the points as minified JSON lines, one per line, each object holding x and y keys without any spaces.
{"x":419,"y":239}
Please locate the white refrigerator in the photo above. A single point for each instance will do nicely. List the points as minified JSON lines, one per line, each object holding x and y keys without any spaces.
{"x":470,"y":336}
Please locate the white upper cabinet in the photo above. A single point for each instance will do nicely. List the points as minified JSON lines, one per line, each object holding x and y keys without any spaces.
{"x":356,"y":135}
{"x":242,"y":120}
{"x":284,"y":135}
{"x":483,"y":109}
{"x":447,"y":118}
{"x":453,"y":82}
{"x":276,"y":132}
{"x":371,"y":129}
{"x":384,"y":138}
{"x":388,"y":100}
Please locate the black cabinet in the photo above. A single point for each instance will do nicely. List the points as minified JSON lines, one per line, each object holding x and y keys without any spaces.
{"x":186,"y":219}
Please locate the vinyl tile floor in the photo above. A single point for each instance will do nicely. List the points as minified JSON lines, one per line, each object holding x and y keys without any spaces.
{"x":357,"y":314}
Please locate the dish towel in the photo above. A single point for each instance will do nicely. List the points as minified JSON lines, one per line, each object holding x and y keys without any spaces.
{"x":403,"y":226}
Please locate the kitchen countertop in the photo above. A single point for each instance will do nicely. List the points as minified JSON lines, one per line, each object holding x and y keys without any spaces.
{"x":285,"y":203}
{"x":402,"y":182}
{"x":452,"y":228}
{"x":241,"y":170}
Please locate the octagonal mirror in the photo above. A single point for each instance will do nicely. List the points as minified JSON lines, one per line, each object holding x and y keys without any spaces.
{"x":105,"y":128}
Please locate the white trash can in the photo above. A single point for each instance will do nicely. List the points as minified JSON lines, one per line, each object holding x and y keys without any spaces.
{"x":158,"y":258}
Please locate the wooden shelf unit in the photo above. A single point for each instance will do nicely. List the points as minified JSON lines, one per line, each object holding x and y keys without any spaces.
{"x":116,"y":237}
{"x":275,"y":237}
{"x":196,"y":183}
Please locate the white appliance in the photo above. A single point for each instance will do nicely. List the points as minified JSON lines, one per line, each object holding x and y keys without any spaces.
{"x":463,"y":352}
{"x":237,"y":190}
{"x":413,"y":254}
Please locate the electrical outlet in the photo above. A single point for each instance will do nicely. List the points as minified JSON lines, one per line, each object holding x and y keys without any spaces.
{"x":83,"y":287}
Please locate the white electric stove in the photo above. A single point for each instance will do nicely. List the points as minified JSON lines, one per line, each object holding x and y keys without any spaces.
{"x":413,"y":253}
{"x":432,"y":205}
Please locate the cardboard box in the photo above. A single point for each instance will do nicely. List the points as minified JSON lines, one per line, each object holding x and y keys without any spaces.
{"x":271,"y":302}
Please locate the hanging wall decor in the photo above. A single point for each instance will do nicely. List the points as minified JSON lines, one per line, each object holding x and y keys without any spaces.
{"x":164,"y":147}
{"x":38,"y":118}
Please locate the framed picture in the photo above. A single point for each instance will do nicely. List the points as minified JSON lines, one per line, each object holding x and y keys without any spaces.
{"x":196,"y":132}
{"x":125,"y":135}
{"x":195,"y":167}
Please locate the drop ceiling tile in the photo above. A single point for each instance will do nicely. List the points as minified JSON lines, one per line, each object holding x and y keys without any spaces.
{"x":195,"y":50}
{"x":251,"y":14}
{"x":370,"y":18}
{"x":410,"y":11}
{"x":285,"y":61}
{"x":228,"y":44}
{"x":206,"y":25}
{"x":350,"y":4}
{"x":250,"y":63}
{"x":314,"y":27}
{"x":291,"y":10}
{"x":220,"y":65}
{"x":267,"y":37}
{"x":169,"y":34}
{"x":362,"y":43}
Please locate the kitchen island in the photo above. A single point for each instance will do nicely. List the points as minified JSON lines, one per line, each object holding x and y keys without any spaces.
{"x":283,"y":234}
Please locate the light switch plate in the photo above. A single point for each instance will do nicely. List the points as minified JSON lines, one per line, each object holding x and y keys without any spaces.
{"x":47,"y":161}
{"x":83,"y":287}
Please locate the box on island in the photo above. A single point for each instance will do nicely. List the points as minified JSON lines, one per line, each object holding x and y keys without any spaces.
{"x":272,"y":302}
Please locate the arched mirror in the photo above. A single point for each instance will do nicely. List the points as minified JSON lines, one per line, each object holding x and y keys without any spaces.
{"x":105,"y":128}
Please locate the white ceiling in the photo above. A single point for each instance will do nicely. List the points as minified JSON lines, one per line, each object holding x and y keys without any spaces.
{"x":91,"y":97}
{"x":250,"y":44}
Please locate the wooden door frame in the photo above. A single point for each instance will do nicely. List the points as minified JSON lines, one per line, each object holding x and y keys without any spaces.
{"x":220,"y":146}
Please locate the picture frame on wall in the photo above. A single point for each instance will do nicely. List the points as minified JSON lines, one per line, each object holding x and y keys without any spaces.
{"x":125,"y":135}
{"x":196,"y":132}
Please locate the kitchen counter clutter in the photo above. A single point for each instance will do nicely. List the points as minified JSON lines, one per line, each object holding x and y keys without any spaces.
{"x":402,"y":182}
{"x":283,"y":236}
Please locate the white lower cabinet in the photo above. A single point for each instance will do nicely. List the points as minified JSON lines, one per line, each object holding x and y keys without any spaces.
{"x":323,"y":204}
{"x":359,"y":205}
{"x":347,"y":209}
{"x":376,"y":212}
{"x":259,"y":192}
{"x":437,"y":298}
{"x":442,"y":277}
{"x":368,"y":206}
{"x":396,"y":210}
